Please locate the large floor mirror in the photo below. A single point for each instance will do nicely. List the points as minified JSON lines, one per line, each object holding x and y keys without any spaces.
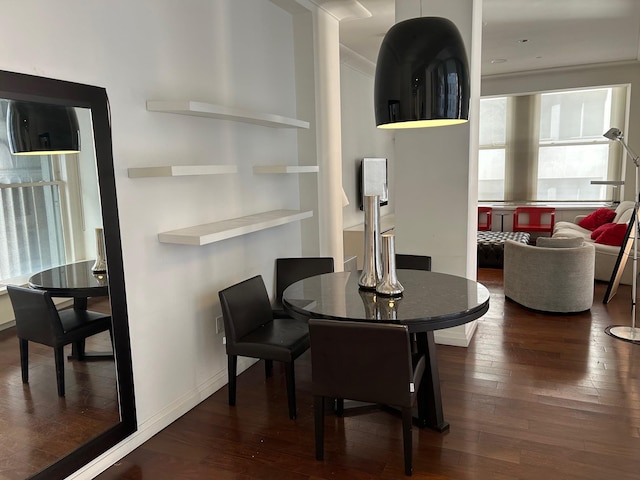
{"x":105,"y":386}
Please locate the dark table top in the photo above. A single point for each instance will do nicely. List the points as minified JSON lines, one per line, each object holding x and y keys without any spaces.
{"x":72,"y":280}
{"x":430,"y":300}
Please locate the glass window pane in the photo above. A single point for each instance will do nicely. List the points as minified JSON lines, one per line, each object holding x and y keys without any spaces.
{"x":577,"y":115}
{"x":565,"y":172}
{"x":30,"y":215}
{"x":493,"y":121}
{"x":491,"y":163}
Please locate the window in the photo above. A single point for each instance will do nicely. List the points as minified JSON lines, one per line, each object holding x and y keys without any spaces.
{"x":49,"y":206}
{"x":548,"y":147}
{"x":31,"y":225}
{"x":493,"y":140}
{"x":572,"y":150}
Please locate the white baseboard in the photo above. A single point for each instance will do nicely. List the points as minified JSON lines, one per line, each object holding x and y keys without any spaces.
{"x":158,"y":422}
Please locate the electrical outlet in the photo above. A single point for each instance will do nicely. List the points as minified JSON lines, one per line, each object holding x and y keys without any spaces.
{"x":219,"y":325}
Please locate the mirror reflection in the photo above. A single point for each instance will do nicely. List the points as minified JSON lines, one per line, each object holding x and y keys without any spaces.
{"x":51,"y":235}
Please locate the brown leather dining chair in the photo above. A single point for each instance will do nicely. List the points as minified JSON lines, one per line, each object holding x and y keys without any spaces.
{"x":252,"y":331}
{"x":38,"y":320}
{"x":290,"y":270}
{"x":368,"y":362}
{"x":413,"y":262}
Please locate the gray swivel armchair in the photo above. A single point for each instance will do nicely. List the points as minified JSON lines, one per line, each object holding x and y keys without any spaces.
{"x":555,"y":278}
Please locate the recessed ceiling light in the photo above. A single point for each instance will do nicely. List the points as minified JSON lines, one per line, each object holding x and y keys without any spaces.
{"x":498,"y":60}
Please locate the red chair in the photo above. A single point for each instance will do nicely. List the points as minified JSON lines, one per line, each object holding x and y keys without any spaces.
{"x":484,"y":218}
{"x":534,"y":219}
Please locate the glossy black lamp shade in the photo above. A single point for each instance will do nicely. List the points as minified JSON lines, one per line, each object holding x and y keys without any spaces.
{"x":422,"y":75}
{"x":42,"y":129}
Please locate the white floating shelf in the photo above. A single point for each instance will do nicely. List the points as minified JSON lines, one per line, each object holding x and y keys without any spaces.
{"x":286,"y":169}
{"x":181,"y":170}
{"x":217,"y":231}
{"x":202,"y":109}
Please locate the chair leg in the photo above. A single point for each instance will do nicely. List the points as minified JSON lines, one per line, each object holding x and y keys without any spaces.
{"x":407,"y":421}
{"x":318,"y":415}
{"x":268,"y":368}
{"x":59,"y":357}
{"x":79,"y":353}
{"x":24,"y":359}
{"x":291,"y":388}
{"x":339,"y":407}
{"x":232,"y":366}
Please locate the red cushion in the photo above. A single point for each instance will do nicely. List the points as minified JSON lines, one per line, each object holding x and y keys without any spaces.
{"x":597,"y":218}
{"x":613,"y":235}
{"x":598,"y":231}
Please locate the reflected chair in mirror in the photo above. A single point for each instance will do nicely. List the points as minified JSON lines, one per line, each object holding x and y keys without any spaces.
{"x":484,"y":218}
{"x":534,"y":219}
{"x":367,"y":362}
{"x":252,"y":331}
{"x":290,"y":270}
{"x":38,"y":321}
{"x":413,"y":262}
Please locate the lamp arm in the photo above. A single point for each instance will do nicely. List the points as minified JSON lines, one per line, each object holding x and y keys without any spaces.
{"x":631,"y":153}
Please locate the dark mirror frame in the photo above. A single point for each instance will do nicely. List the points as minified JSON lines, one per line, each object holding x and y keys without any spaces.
{"x":17,"y":86}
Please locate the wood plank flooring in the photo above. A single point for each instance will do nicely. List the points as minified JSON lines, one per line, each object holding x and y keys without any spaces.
{"x":36,"y":426}
{"x":535,"y":396}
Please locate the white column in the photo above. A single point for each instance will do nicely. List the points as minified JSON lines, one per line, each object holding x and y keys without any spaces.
{"x":317,"y":52}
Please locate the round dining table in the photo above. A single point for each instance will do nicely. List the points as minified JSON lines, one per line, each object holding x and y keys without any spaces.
{"x":74,"y":280}
{"x":77,"y":281}
{"x":430,"y":301}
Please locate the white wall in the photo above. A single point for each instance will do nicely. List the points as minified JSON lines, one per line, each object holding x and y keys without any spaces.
{"x":437,"y":170}
{"x":233,"y":52}
{"x":360,"y":137}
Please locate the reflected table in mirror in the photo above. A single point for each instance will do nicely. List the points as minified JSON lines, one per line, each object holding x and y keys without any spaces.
{"x":77,"y":281}
{"x":430,"y":301}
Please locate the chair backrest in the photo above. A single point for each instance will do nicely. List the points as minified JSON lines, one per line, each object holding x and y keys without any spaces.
{"x":290,"y":270}
{"x":484,"y":218}
{"x":363,"y":361}
{"x":245,"y":307}
{"x":37,"y":318}
{"x":621,"y":209}
{"x":534,"y":219}
{"x":413,"y":262}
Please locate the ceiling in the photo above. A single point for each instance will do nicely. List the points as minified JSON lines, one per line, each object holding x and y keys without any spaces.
{"x":517,"y":35}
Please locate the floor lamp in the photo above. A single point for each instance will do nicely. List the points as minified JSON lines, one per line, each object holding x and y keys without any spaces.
{"x":631,"y":333}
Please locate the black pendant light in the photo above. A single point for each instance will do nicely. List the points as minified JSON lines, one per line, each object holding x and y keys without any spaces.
{"x":42,"y":129}
{"x":422,"y":75}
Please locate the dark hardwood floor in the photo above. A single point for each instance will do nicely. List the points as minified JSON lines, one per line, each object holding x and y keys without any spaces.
{"x":36,"y":426}
{"x":535,"y":396}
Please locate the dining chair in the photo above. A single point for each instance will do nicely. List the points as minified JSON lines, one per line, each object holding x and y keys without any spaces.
{"x":534,"y":219}
{"x":484,"y":218}
{"x":252,"y":331}
{"x":413,"y":262}
{"x":368,"y":362}
{"x":38,"y":321}
{"x":290,"y":270}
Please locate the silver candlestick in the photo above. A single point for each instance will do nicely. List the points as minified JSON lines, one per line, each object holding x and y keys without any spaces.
{"x":389,"y":285}
{"x":372,"y":263}
{"x":101,"y":259}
